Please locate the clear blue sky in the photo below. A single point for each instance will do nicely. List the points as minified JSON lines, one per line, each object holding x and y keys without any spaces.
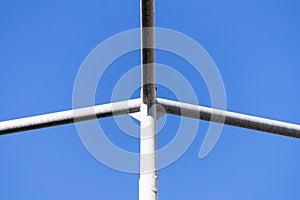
{"x":255,"y":45}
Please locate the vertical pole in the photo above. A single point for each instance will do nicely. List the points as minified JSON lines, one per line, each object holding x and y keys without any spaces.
{"x":147,"y":51}
{"x":148,"y":171}
{"x":148,"y":174}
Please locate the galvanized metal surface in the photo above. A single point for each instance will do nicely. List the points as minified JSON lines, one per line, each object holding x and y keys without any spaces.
{"x":148,"y":51}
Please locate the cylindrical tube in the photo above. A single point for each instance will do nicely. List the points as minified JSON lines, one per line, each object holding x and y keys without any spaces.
{"x":148,"y":173}
{"x":148,"y":51}
{"x":230,"y":118}
{"x":69,"y":116}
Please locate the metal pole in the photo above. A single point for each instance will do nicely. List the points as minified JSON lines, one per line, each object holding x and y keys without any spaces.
{"x":148,"y":186}
{"x":147,"y":51}
{"x":148,"y":173}
{"x":230,"y":118}
{"x":70,"y":116}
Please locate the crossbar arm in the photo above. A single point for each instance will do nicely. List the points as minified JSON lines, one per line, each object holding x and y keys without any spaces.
{"x":230,"y":118}
{"x":70,"y":116}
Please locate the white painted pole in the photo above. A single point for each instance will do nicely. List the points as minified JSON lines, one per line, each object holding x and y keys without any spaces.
{"x":148,"y":173}
{"x":148,"y":186}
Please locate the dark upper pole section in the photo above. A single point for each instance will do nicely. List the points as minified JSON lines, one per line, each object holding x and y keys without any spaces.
{"x":148,"y":52}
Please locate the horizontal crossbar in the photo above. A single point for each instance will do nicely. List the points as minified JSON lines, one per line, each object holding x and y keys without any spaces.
{"x":230,"y":118}
{"x":132,"y":106}
{"x":70,"y":116}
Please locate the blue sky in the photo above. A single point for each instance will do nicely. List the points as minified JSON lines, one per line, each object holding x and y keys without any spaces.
{"x":255,"y":45}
